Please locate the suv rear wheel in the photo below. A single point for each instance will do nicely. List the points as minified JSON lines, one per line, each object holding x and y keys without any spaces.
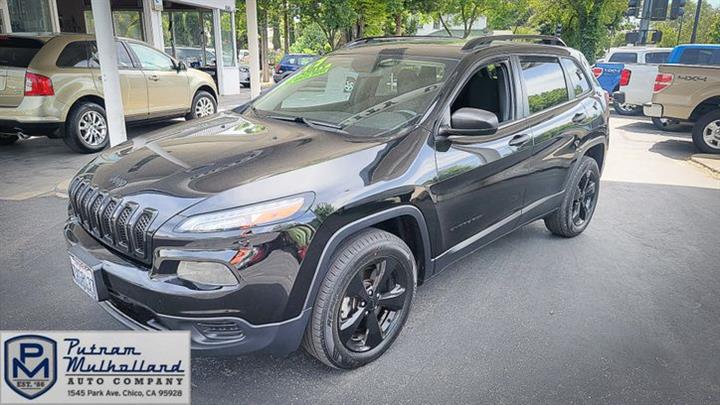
{"x":667,"y":124}
{"x":706,"y":132}
{"x":86,"y":130}
{"x":578,"y":205}
{"x":363,"y":301}
{"x":628,"y":109}
{"x":203,"y":104}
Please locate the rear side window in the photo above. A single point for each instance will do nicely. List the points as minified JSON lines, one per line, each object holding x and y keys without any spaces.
{"x":698,"y":56}
{"x":656,"y":57}
{"x":75,"y":54}
{"x":18,"y":52}
{"x":623,"y":57}
{"x":123,"y":57}
{"x":578,"y":79}
{"x":544,"y":82}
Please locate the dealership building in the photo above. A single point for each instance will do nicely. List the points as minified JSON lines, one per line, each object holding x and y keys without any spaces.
{"x":194,"y":31}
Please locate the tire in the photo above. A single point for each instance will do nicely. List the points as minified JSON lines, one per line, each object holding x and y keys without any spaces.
{"x":578,"y":204}
{"x":667,"y":124}
{"x":628,"y":109}
{"x":203,"y":105}
{"x":245,"y":85}
{"x":6,"y":140}
{"x":82,"y":119}
{"x":706,"y":132}
{"x":346,"y":298}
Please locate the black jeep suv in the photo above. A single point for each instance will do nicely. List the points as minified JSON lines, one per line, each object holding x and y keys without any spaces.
{"x":309,"y":215}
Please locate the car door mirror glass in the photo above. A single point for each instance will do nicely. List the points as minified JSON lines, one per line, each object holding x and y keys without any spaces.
{"x":181,"y":66}
{"x":468,"y":121}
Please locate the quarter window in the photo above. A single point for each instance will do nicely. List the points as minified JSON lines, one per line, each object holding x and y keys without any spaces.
{"x":74,"y":55}
{"x":578,"y":80}
{"x":150,"y":59}
{"x":544,"y":82}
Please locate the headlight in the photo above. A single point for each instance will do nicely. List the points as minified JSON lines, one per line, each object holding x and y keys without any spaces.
{"x":266,"y":213}
{"x":206,"y":273}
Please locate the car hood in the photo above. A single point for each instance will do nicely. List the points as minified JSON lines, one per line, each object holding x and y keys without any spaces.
{"x":201,"y":158}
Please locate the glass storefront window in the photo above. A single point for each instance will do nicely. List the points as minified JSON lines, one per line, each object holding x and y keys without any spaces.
{"x":188,"y":36}
{"x":226,"y":34}
{"x":209,"y":37}
{"x":30,"y":15}
{"x":126,"y":23}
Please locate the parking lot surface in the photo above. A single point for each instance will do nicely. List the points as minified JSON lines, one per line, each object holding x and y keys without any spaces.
{"x":625,"y":313}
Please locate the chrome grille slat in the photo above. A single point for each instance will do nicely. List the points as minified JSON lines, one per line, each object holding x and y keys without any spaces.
{"x":123,"y":225}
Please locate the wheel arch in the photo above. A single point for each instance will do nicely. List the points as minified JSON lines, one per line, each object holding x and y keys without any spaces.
{"x":205,"y":87}
{"x":404,"y":221}
{"x":597,"y":152}
{"x":712,"y":103}
{"x":89,"y":98}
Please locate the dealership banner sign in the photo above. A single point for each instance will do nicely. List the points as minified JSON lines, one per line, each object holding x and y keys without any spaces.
{"x":95,"y":367}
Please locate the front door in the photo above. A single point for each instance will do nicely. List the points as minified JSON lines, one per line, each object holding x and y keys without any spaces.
{"x":168,"y":88}
{"x":481,"y":179}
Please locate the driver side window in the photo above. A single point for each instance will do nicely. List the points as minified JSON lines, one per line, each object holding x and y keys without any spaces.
{"x":488,"y":89}
{"x":151,"y":59}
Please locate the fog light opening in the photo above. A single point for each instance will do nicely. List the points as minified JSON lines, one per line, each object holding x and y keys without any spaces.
{"x":211,"y":273}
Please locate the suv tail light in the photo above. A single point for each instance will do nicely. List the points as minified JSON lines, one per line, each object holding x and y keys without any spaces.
{"x":597,"y":71}
{"x":662,"y":81}
{"x":625,"y":77}
{"x":38,"y":85}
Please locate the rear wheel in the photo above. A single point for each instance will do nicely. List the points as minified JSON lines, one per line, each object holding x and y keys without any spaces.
{"x":86,"y":130}
{"x":203,"y":105}
{"x":578,"y":205}
{"x":363,"y":301}
{"x":628,"y":109}
{"x":667,"y":124}
{"x":706,"y":132}
{"x":8,"y":139}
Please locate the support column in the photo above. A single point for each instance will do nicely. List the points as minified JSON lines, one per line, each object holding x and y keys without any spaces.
{"x":219,"y":65}
{"x":109,"y":71}
{"x":253,"y":47}
{"x":152,"y":22}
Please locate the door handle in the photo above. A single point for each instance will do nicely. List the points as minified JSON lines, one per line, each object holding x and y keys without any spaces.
{"x":579,"y":117}
{"x":519,"y":140}
{"x":154,"y":78}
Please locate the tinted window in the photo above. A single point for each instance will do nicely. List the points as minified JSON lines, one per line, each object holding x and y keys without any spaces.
{"x":151,"y":59}
{"x":18,"y":52}
{"x":545,"y":83}
{"x":123,"y":58}
{"x":656,"y":57}
{"x":624,"y":57}
{"x":697,"y":56}
{"x":578,"y":80}
{"x":75,"y":54}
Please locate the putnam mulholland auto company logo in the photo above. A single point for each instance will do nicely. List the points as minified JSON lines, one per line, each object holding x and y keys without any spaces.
{"x":30,"y":364}
{"x":95,"y":367}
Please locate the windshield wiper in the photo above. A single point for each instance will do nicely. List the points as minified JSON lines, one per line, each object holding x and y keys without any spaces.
{"x":319,"y":125}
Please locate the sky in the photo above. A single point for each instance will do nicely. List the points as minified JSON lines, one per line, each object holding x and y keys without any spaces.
{"x":715,"y":3}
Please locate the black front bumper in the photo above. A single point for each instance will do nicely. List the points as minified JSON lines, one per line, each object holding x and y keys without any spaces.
{"x":143,"y":303}
{"x":13,"y":127}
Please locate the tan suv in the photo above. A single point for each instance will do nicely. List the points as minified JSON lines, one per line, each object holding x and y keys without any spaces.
{"x":50,"y":85}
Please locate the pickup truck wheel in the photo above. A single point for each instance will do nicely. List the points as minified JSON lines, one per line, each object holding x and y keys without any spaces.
{"x":579,"y":202}
{"x":667,"y":124}
{"x":628,"y":109}
{"x":706,"y":132}
{"x":86,"y":129}
{"x":364,"y":300}
{"x":6,"y":140}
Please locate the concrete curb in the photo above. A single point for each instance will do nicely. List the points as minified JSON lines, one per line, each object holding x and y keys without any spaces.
{"x":61,"y":190}
{"x":708,"y":161}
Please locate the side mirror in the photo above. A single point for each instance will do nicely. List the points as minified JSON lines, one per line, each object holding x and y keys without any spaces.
{"x":181,"y":66}
{"x":469,"y":121}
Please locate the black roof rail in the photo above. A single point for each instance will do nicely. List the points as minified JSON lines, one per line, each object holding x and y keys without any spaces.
{"x":367,"y":40}
{"x":484,"y":40}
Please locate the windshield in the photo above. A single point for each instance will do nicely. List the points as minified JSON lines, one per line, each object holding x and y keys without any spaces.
{"x":363,"y":94}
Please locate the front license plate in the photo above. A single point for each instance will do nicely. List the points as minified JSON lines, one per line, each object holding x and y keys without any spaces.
{"x":84,"y":277}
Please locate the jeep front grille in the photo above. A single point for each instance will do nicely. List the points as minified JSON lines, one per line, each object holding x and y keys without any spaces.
{"x":120,"y":224}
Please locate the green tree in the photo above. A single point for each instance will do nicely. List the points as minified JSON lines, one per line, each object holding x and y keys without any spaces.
{"x":333,"y":17}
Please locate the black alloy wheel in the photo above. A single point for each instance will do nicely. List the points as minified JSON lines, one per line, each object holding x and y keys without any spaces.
{"x":373,"y":302}
{"x":363,"y":301}
{"x":579,"y":202}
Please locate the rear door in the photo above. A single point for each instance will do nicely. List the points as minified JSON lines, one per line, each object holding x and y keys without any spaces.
{"x":168,"y":88}
{"x":558,"y":118}
{"x":15,"y":56}
{"x":133,"y":84}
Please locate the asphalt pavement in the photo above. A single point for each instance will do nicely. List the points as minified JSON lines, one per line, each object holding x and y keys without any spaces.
{"x":628,"y":312}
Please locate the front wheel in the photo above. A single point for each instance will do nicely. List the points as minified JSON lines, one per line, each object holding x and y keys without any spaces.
{"x":203,"y":105}
{"x":667,"y":124}
{"x":706,"y":132}
{"x":364,"y":300}
{"x":628,"y":109}
{"x":578,"y":205}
